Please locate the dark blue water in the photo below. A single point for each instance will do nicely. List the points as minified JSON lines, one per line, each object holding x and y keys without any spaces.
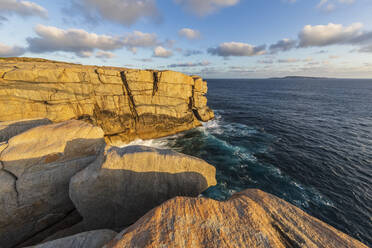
{"x":306,"y":141}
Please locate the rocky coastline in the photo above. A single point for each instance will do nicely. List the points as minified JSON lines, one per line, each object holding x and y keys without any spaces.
{"x":65,"y":181}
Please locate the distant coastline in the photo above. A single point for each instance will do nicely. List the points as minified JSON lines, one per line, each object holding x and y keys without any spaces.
{"x":299,"y":77}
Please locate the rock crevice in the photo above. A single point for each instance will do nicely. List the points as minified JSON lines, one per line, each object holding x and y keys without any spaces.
{"x":127,"y":104}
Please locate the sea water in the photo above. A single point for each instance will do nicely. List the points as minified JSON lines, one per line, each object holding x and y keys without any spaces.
{"x":308,"y":141}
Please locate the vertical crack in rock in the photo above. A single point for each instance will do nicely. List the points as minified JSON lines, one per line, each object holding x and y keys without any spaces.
{"x":192,"y":99}
{"x":132,"y":105}
{"x":157,"y":76}
{"x":192,"y":104}
{"x":2,"y":167}
{"x":99,"y":76}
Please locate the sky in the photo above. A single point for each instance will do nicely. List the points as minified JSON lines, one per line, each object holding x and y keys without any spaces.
{"x":210,"y":38}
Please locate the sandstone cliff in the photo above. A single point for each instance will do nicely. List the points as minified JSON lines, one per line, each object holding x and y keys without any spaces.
{"x":126,"y":103}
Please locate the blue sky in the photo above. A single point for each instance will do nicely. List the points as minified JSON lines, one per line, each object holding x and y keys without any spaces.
{"x":212,"y":38}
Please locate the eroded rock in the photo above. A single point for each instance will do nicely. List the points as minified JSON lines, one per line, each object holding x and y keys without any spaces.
{"x":36,"y":167}
{"x":124,"y":183}
{"x":127,"y":104}
{"x":92,"y":239}
{"x":251,"y":218}
{"x":9,"y":129}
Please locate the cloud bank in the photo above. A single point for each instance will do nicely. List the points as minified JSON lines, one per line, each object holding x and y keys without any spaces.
{"x":11,"y":51}
{"x":237,"y":49}
{"x":22,"y":8}
{"x":205,"y":7}
{"x":123,"y":12}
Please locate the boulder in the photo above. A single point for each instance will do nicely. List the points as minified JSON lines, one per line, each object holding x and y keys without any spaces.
{"x":251,"y":218}
{"x":92,"y":239}
{"x":124,"y":183}
{"x":35,"y":171}
{"x":9,"y":129}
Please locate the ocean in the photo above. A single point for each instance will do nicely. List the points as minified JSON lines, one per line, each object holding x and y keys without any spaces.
{"x":308,"y":141}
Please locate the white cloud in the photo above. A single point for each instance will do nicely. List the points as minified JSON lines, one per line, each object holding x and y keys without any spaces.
{"x":161,"y":52}
{"x":330,"y":5}
{"x":190,"y":64}
{"x":237,"y":49}
{"x":189,"y":33}
{"x":125,"y":12}
{"x":11,"y":51}
{"x":83,"y":43}
{"x":105,"y":55}
{"x":325,"y":35}
{"x":139,"y":39}
{"x":78,"y":41}
{"x":289,"y":60}
{"x":205,"y":7}
{"x":22,"y":8}
{"x":283,"y":45}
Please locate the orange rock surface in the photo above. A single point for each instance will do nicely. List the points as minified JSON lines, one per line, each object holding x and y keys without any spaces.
{"x":251,"y":218}
{"x":126,"y":103}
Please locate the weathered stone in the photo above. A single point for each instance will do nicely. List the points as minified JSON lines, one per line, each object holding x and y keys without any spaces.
{"x":251,"y":218}
{"x":204,"y":114}
{"x":9,"y":129}
{"x":36,"y":167}
{"x":92,"y":239}
{"x":124,"y":183}
{"x":127,"y":104}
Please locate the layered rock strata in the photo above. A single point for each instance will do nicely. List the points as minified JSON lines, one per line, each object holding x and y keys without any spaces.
{"x":124,"y":183}
{"x":251,"y":218}
{"x":127,"y":104}
{"x":35,"y":171}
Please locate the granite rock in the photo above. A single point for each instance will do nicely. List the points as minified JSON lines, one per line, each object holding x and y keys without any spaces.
{"x":124,"y":183}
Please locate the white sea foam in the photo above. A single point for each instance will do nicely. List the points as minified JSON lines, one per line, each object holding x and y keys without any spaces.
{"x":157,"y":143}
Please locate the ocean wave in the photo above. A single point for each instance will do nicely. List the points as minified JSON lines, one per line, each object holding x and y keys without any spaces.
{"x":156,"y":143}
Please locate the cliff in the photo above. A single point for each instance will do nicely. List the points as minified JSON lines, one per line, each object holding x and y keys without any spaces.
{"x":126,"y":103}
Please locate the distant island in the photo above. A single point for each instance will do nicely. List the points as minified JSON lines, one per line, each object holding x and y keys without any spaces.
{"x":299,"y":77}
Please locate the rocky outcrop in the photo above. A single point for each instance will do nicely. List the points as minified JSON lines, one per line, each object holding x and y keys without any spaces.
{"x":126,"y":103}
{"x":125,"y":183}
{"x":249,"y":219}
{"x":92,"y":239}
{"x":9,"y":129}
{"x":36,"y":167}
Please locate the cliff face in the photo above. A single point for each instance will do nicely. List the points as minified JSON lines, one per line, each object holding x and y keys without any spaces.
{"x":126,"y":103}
